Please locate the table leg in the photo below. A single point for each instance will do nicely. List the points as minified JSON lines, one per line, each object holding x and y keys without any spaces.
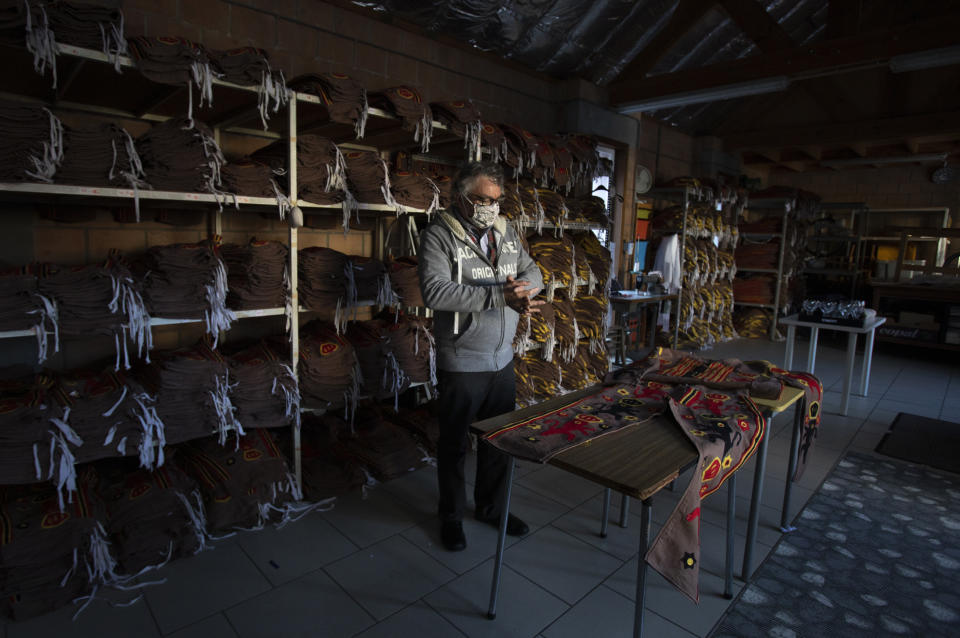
{"x":731,"y":534}
{"x":624,"y":510}
{"x":812,"y":351}
{"x":645,"y":513}
{"x":501,"y":542}
{"x":798,"y":414}
{"x":848,"y":373}
{"x":788,"y":355}
{"x":653,"y":313}
{"x":867,"y":361}
{"x":606,"y":512}
{"x":753,"y":521}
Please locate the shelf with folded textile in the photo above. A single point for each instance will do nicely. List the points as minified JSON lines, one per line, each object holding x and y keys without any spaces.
{"x":769,"y":257}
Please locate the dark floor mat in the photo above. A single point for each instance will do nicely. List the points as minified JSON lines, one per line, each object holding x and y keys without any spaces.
{"x":920,"y":439}
{"x":874,"y":556}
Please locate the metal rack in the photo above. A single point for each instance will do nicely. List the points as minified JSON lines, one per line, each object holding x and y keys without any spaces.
{"x":226,"y":120}
{"x":784,"y":206}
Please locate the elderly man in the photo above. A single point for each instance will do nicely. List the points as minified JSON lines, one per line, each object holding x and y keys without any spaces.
{"x":476,"y":276}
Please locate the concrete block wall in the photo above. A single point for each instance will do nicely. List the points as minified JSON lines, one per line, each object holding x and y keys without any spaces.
{"x":903,"y":186}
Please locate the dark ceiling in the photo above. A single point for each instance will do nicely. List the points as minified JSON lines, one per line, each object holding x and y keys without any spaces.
{"x":843,"y":99}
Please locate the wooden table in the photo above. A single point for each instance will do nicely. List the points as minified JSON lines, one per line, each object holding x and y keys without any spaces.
{"x":869,"y":329}
{"x":622,"y":305}
{"x":638,"y":460}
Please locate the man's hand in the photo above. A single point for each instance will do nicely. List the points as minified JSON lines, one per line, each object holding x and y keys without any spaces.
{"x":520,"y":297}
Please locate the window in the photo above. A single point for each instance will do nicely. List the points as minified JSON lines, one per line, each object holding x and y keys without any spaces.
{"x":602,"y":189}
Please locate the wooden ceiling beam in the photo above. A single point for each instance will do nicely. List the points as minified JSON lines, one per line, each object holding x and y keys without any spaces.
{"x":687,"y":14}
{"x":848,"y":133}
{"x":843,"y":18}
{"x":840,"y":55}
{"x":758,"y":25}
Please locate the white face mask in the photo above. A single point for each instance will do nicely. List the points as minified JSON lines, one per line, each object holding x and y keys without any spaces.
{"x":483,"y":214}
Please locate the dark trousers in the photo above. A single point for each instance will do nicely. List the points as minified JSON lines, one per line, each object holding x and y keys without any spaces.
{"x":466,"y":397}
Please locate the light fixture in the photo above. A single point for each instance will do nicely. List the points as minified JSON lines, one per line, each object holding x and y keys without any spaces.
{"x":899,"y":159}
{"x":725,"y":92}
{"x":925,"y":59}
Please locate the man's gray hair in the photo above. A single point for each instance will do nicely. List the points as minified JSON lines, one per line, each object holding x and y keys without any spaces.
{"x":470,"y":171}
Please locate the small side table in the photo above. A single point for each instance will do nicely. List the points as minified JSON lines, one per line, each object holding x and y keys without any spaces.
{"x":869,"y":329}
{"x":624,"y":304}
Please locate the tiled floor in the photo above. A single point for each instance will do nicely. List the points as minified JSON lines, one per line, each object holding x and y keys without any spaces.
{"x":373,"y":567}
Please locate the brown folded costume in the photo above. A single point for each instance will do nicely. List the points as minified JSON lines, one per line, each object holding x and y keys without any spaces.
{"x":256,"y":274}
{"x":406,"y":103}
{"x":187,"y":281}
{"x":329,"y":372}
{"x":324,"y":282}
{"x":33,"y":143}
{"x":149,"y":513}
{"x":22,"y":307}
{"x":369,"y":177}
{"x":100,"y":155}
{"x":405,"y":281}
{"x":462,"y":119}
{"x":344,"y":97}
{"x":192,"y":389}
{"x":328,"y":470}
{"x":176,"y":61}
{"x":182,"y":155}
{"x":264,"y":388}
{"x":250,"y":66}
{"x":241,"y":485}
{"x":381,"y":374}
{"x":415,"y":191}
{"x":386,"y":450}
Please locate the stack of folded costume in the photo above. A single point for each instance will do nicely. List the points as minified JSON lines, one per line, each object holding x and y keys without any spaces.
{"x":380,"y":374}
{"x":562,"y":163}
{"x":321,"y":171}
{"x":324,"y":276}
{"x":250,"y":177}
{"x":521,"y":149}
{"x":755,"y":289}
{"x":543,"y":377}
{"x":554,"y":208}
{"x":182,"y":155}
{"x":49,"y":554}
{"x":344,"y":97}
{"x":668,"y":220}
{"x":100,"y":155}
{"x":22,"y":307}
{"x":176,"y":61}
{"x":543,"y":160}
{"x":530,"y":205}
{"x":240,"y":485}
{"x":577,"y":374}
{"x":150,"y":514}
{"x":414,"y":191}
{"x":566,"y":329}
{"x":512,"y":207}
{"x":585,"y":157}
{"x":250,"y":66}
{"x":386,"y":450}
{"x":88,"y":26}
{"x":422,"y":422}
{"x":26,"y":430}
{"x":591,"y":314}
{"x":752,"y":323}
{"x":370,"y":281}
{"x":524,"y":385}
{"x":591,"y":210}
{"x":101,"y":300}
{"x":537,"y":328}
{"x":33,"y":143}
{"x":329,"y":373}
{"x":256,"y":274}
{"x":462,"y":119}
{"x":113,"y":415}
{"x":187,"y":281}
{"x":554,"y":257}
{"x":369,"y":177}
{"x":406,"y":103}
{"x":412,"y":344}
{"x":758,"y":255}
{"x":598,"y":256}
{"x":263,"y":388}
{"x":445,"y":188}
{"x":192,"y":387}
{"x":495,"y":140}
{"x":405,"y":281}
{"x":327,"y":470}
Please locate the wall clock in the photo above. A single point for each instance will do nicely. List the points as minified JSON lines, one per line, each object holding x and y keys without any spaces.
{"x":643,"y":179}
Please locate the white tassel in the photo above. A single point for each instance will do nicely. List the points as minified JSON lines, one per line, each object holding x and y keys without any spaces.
{"x":361,"y":125}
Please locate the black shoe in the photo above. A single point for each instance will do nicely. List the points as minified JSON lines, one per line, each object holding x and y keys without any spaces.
{"x":515,"y":526}
{"x":451,"y":533}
